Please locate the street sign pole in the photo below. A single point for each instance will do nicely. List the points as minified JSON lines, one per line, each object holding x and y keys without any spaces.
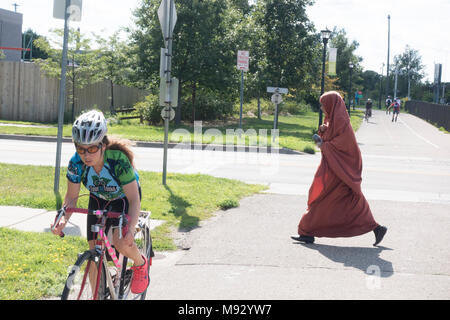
{"x":242,"y":64}
{"x":242,"y":98}
{"x":62,"y":95}
{"x":168,"y":20}
{"x":275,"y":118}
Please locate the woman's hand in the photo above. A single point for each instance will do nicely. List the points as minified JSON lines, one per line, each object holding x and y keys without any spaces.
{"x":57,"y":230}
{"x":323,"y":128}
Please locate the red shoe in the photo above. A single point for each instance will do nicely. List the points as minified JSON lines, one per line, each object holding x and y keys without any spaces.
{"x":140,"y":279}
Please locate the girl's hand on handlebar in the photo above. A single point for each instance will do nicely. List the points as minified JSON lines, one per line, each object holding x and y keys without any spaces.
{"x":57,"y":230}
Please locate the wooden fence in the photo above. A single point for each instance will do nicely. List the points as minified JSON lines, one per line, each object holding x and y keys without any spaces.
{"x":26,"y":94}
{"x":438,"y":114}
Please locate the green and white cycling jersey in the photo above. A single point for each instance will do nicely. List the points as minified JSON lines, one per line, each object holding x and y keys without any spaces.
{"x":117,"y":171}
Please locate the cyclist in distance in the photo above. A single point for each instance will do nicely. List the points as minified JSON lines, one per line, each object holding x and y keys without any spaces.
{"x":388,"y":103}
{"x":368,"y":109}
{"x":105,"y":167}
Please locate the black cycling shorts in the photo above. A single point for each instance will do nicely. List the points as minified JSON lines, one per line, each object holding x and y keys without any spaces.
{"x":95,"y":203}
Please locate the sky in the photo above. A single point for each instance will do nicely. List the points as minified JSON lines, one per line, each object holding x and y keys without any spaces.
{"x":423,"y":25}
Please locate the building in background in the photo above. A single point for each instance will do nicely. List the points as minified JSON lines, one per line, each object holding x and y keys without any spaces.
{"x":11,"y":34}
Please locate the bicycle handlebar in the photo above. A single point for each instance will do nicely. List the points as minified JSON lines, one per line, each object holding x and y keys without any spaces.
{"x":98,"y":213}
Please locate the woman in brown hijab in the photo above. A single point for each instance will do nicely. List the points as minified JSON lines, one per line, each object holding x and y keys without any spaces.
{"x":336,"y":205}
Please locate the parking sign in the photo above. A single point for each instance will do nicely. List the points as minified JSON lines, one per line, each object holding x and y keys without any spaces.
{"x":242,"y":60}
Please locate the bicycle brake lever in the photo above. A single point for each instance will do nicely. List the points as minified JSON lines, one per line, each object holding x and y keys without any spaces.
{"x":59,"y":215}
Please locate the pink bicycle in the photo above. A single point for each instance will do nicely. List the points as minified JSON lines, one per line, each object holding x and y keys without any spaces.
{"x":102,"y":273}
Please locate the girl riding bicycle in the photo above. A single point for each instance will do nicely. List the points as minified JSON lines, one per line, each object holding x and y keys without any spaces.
{"x":106,"y":168}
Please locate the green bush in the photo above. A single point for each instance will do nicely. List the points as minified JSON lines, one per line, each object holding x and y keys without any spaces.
{"x":228,"y":204}
{"x":149,"y":109}
{"x":252,"y":107}
{"x":209,"y":105}
{"x":294,"y":107}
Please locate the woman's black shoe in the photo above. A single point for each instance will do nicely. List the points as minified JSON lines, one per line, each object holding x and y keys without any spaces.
{"x":379,"y":231}
{"x":306,"y":239}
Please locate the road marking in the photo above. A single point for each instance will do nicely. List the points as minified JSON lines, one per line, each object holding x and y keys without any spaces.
{"x":418,"y":135}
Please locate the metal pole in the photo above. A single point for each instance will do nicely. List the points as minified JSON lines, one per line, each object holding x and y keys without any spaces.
{"x":62,"y":96}
{"x":381,"y":79}
{"x":389,"y":45}
{"x":322,"y":86}
{"x":242,"y":99}
{"x":395,"y":84}
{"x":168,"y":89}
{"x":351,"y":94}
{"x":350,"y":90}
{"x":275,"y":116}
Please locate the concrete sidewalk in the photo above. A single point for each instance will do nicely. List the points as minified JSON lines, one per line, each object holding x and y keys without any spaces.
{"x":39,"y":220}
{"x":247,"y":253}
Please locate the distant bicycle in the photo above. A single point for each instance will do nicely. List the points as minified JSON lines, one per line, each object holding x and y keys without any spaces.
{"x":368,"y":114}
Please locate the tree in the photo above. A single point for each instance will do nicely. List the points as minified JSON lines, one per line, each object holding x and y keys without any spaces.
{"x":288,"y":42}
{"x":82,"y":60}
{"x":36,"y":53}
{"x":410,"y":69}
{"x":204,"y":47}
{"x":345,"y":55}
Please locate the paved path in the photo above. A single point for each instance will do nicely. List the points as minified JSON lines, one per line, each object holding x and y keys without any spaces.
{"x":246,"y":252}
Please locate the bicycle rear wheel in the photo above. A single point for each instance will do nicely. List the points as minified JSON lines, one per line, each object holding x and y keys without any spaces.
{"x":80,"y":283}
{"x":143,"y":241}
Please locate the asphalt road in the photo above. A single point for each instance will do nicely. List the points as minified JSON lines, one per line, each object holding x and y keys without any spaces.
{"x":246,"y":252}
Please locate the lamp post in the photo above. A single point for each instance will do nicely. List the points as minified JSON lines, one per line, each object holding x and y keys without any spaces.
{"x":350,"y":67}
{"x":381,"y":80}
{"x":325,"y":36}
{"x":389,"y":47}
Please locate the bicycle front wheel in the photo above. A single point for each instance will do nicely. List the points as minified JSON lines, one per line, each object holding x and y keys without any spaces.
{"x":81,"y":282}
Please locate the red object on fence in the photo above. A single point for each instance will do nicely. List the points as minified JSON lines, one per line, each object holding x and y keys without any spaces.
{"x":18,"y":49}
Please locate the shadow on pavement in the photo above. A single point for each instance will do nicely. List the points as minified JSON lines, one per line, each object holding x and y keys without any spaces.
{"x":365,"y":259}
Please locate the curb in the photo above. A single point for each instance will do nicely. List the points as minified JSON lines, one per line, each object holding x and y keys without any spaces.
{"x":180,"y":146}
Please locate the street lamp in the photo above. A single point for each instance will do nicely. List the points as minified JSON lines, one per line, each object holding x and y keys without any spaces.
{"x":381,"y":80}
{"x":325,"y":36}
{"x":350,"y":66}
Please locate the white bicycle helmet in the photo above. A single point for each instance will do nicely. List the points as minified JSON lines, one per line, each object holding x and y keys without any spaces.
{"x":89,"y":128}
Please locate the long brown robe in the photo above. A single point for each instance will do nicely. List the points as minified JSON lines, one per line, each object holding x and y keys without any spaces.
{"x":336,"y":205}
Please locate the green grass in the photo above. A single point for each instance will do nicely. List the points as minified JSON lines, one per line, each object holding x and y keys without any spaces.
{"x":295,"y":131}
{"x":183,"y":202}
{"x":34,"y":265}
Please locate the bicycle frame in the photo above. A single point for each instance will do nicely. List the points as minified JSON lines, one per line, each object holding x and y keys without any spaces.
{"x":119,"y":283}
{"x":102,"y":244}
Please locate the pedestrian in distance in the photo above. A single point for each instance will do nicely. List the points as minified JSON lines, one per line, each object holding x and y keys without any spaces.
{"x":336,"y":204}
{"x":105,"y":167}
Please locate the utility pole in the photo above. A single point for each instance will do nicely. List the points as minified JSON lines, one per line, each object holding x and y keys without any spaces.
{"x":389,"y":45}
{"x":15,"y":6}
{"x":381,"y":80}
{"x":395,"y":84}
